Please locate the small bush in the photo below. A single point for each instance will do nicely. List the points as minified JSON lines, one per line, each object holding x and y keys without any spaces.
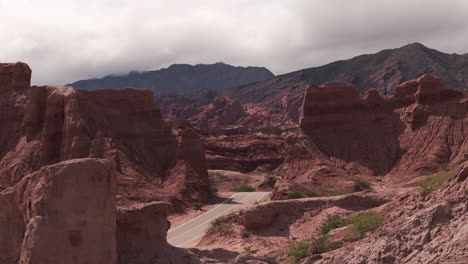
{"x":197,"y":205}
{"x":364,"y":222}
{"x":224,"y":228}
{"x":332,"y":222}
{"x":362,"y":183}
{"x":246,"y":234}
{"x":298,"y":251}
{"x":433,"y":182}
{"x":295,"y":195}
{"x":243,"y":188}
{"x":249,"y":250}
{"x":214,"y":189}
{"x":330,"y":186}
{"x":321,"y":245}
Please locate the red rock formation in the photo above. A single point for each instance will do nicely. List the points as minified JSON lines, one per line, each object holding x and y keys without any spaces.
{"x":245,"y":152}
{"x":46,"y":125}
{"x":223,"y":111}
{"x":141,"y":236}
{"x":63,"y":213}
{"x":189,"y":177}
{"x":420,"y":128}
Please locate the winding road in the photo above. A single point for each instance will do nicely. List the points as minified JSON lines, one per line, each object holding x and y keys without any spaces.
{"x":189,"y":233}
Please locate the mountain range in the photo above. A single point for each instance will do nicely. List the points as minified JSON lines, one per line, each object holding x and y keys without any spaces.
{"x":383,"y":70}
{"x":181,"y":78}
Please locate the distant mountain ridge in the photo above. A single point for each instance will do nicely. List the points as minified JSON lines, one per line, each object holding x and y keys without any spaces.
{"x":181,"y":78}
{"x":383,"y":70}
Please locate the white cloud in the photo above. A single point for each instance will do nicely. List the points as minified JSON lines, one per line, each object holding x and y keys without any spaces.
{"x":64,"y":41}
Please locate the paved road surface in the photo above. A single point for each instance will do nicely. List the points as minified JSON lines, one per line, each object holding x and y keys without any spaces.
{"x":189,"y":233}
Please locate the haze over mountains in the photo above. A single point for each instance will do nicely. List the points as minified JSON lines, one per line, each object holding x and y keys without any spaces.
{"x":181,"y":78}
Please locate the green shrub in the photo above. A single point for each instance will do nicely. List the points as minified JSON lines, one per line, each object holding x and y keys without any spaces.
{"x":362,"y":183}
{"x":298,"y":251}
{"x":224,"y":228}
{"x":295,"y":195}
{"x":322,"y":245}
{"x":330,"y":186}
{"x":332,"y":222}
{"x":243,"y":188}
{"x":246,"y":234}
{"x":249,"y":250}
{"x":197,"y":205}
{"x":364,"y":222}
{"x":432,"y":183}
{"x":214,"y":189}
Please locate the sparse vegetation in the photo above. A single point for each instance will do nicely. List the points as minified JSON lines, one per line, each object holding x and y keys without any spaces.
{"x":249,"y":250}
{"x":224,"y":228}
{"x":332,"y":222}
{"x":433,"y":182}
{"x":466,"y":191}
{"x":243,"y":188}
{"x":298,"y":251}
{"x":362,"y":183}
{"x":295,"y":195}
{"x":246,"y":234}
{"x":214,"y":189}
{"x":217,"y":175}
{"x":330,"y":186}
{"x":364,"y":222}
{"x":322,"y":245}
{"x":338,"y":192}
{"x":427,"y":172}
{"x":312,"y":194}
{"x":445,"y":166}
{"x":197,"y":205}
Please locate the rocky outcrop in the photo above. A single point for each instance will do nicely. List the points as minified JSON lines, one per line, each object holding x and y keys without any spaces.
{"x":45,"y":125}
{"x":266,"y":214}
{"x":141,"y":236}
{"x":423,"y":229}
{"x":343,"y":125}
{"x":221,"y":112}
{"x":245,"y":152}
{"x":189,"y":177}
{"x":63,"y":213}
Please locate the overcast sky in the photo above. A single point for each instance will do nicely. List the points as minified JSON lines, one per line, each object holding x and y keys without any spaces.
{"x":68,"y":40}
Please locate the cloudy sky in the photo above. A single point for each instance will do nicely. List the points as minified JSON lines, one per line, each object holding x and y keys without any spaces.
{"x":67,"y":40}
